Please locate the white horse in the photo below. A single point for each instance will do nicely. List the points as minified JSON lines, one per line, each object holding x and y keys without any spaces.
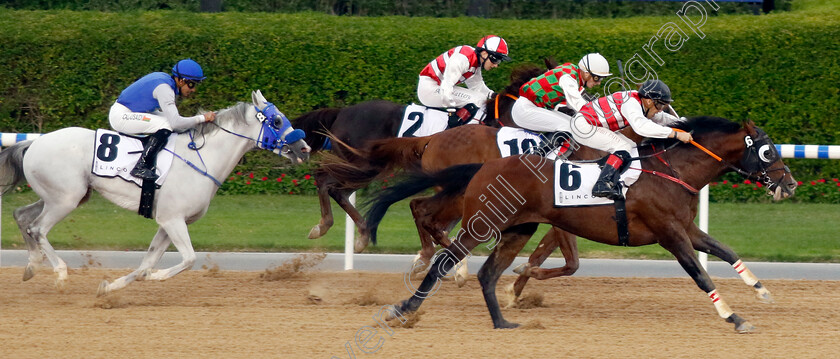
{"x":58,"y":167}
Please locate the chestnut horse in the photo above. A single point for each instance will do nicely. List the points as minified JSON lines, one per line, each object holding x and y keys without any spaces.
{"x":358,"y":124}
{"x":660,"y":207}
{"x":434,"y":220}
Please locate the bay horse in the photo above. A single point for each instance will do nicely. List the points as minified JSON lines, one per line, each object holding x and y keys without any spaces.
{"x":660,"y":207}
{"x":355,"y":126}
{"x":58,"y":167}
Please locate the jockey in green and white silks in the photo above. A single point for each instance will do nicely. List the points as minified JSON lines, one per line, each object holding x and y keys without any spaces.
{"x":562,"y":86}
{"x":595,"y":123}
{"x":437,"y":85}
{"x":148,"y":107}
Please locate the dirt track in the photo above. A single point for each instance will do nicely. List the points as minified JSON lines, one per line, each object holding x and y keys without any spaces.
{"x":225,"y":314}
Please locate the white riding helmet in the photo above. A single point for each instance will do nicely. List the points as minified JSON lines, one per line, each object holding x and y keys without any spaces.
{"x":595,"y":64}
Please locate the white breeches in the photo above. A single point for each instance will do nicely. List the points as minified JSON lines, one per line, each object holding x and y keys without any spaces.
{"x":599,"y":137}
{"x":529,"y":116}
{"x":124,"y":120}
{"x":428,"y":91}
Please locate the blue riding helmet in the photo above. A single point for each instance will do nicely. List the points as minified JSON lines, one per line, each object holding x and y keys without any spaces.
{"x":188,"y":69}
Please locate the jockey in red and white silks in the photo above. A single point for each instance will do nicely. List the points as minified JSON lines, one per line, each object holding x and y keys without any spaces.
{"x":437,"y":86}
{"x":595,"y":123}
{"x":561,"y":86}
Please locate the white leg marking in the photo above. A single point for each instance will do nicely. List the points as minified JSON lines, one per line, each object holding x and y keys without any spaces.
{"x":722,"y":308}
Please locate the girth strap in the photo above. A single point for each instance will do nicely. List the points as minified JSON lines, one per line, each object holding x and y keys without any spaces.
{"x":147,"y":198}
{"x":621,"y":222}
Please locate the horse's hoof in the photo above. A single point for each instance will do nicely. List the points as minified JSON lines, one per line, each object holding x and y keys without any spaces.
{"x":29,"y":272}
{"x":421,"y":269}
{"x":315,"y":232}
{"x":506,"y":325}
{"x":523,"y":269}
{"x":745,"y":328}
{"x":60,"y":284}
{"x":103,"y":288}
{"x":764,"y":296}
{"x":361,"y":244}
{"x":460,"y":280}
{"x":144,"y":275}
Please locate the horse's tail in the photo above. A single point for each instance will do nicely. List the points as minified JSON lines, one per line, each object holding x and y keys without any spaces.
{"x":362,"y":166}
{"x":11,"y":166}
{"x":314,"y":124}
{"x":452,"y":180}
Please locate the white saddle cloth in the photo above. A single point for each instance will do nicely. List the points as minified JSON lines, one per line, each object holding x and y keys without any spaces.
{"x":516,"y":141}
{"x":419,"y":121}
{"x":115,"y":155}
{"x":573,"y":182}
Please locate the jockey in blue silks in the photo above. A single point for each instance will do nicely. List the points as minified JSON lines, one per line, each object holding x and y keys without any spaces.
{"x":148,"y":107}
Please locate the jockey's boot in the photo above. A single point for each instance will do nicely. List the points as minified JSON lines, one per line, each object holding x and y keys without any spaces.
{"x":607,"y":184}
{"x":145,"y":168}
{"x":552,"y":141}
{"x":462,"y":116}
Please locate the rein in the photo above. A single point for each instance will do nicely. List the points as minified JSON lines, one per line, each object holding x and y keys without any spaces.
{"x":192,"y":145}
{"x":496,"y":108}
{"x":674,"y":179}
{"x":230,"y":132}
{"x":738,"y":170}
{"x":763,"y":178}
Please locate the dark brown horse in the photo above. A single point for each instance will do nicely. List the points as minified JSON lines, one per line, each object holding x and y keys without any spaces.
{"x":659,"y":210}
{"x":435,"y":218}
{"x":355,"y":126}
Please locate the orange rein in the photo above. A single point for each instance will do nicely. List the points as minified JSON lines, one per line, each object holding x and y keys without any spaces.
{"x":677,"y":180}
{"x":704,"y":149}
{"x":496,"y":107}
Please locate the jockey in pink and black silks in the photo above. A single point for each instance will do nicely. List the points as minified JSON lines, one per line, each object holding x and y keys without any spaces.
{"x":437,"y":85}
{"x":542,"y":99}
{"x":147,"y":106}
{"x":596,"y":122}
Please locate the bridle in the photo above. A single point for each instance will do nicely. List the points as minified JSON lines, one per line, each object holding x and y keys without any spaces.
{"x":761,"y":174}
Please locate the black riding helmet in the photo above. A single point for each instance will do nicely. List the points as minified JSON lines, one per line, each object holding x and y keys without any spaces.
{"x":656,"y":90}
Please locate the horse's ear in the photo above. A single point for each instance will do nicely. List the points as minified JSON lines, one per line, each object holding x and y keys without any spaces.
{"x":550,"y":62}
{"x":258,"y":99}
{"x":749,"y":125}
{"x":254,"y":98}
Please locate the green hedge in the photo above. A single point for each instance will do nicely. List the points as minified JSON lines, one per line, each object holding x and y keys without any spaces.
{"x":65,"y":68}
{"x":543,"y":9}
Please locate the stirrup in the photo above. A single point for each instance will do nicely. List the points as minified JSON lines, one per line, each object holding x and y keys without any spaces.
{"x":144,"y":173}
{"x":607,"y":190}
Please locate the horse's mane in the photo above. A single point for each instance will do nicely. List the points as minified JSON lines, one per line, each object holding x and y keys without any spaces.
{"x":699,"y":127}
{"x":702,"y":125}
{"x":224,"y":118}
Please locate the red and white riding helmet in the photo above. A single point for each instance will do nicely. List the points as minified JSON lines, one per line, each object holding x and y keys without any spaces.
{"x":495,"y":46}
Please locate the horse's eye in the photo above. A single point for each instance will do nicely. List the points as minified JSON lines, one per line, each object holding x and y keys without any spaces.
{"x":765,"y":153}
